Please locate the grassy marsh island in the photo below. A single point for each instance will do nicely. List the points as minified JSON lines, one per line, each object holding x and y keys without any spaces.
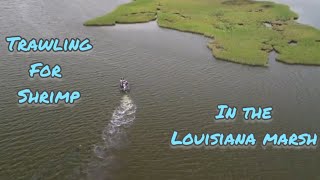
{"x":242,"y":31}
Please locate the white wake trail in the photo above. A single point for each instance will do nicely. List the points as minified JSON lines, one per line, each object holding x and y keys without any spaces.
{"x":114,"y":137}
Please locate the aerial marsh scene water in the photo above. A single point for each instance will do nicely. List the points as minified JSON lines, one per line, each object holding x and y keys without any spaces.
{"x":229,"y":22}
{"x":182,"y":59}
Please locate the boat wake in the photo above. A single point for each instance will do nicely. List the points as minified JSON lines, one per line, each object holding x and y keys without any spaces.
{"x":114,"y":138}
{"x":114,"y":135}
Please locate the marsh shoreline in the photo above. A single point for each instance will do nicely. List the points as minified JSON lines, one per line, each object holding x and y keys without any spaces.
{"x":233,"y":35}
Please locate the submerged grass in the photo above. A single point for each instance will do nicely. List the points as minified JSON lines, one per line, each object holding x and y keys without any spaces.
{"x":238,"y":27}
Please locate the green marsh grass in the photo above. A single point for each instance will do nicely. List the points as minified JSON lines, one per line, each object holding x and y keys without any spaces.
{"x":237,"y":27}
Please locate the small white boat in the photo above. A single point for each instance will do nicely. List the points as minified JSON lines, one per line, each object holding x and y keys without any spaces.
{"x":124,"y":85}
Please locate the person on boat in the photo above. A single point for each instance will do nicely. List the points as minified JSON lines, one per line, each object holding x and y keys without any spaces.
{"x":125,"y":84}
{"x":121,"y":82}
